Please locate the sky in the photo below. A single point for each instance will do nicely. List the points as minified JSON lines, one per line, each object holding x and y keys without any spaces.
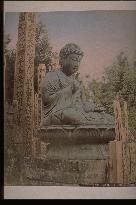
{"x":100,"y":34}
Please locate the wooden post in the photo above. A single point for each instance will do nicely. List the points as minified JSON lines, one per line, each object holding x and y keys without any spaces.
{"x":24,"y":79}
{"x":126,"y":121}
{"x":118,"y":120}
{"x":129,"y":162}
{"x":5,"y":77}
{"x":122,"y":160}
{"x":41,"y":75}
{"x":119,"y":161}
{"x":112,"y":162}
{"x":133,"y":162}
{"x":37,"y":146}
{"x":116,"y":147}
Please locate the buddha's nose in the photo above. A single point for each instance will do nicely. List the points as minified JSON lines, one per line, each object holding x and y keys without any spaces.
{"x":76,"y":68}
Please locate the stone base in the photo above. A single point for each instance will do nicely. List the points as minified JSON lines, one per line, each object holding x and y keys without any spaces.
{"x":65,"y":172}
{"x":89,"y":134}
{"x":70,"y":156}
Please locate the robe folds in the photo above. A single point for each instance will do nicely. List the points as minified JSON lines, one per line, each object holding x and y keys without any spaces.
{"x":59,"y":104}
{"x":62,"y":107}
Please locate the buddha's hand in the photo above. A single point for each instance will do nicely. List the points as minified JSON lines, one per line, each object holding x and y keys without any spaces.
{"x":75,"y":86}
{"x":91,"y":107}
{"x":88,"y":107}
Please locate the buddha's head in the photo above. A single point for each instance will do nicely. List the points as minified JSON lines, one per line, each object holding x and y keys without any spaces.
{"x":70,"y":58}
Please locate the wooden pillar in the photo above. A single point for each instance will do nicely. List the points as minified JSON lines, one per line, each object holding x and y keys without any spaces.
{"x":36,"y":110}
{"x":24,"y":79}
{"x":4,"y":77}
{"x":126,"y":121}
{"x":37,"y":146}
{"x":41,"y":75}
{"x":118,"y":120}
{"x":122,"y":156}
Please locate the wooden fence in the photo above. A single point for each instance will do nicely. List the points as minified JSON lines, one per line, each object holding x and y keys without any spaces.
{"x":122,"y":158}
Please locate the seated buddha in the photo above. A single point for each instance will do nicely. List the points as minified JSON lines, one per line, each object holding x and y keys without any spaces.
{"x":63,"y":96}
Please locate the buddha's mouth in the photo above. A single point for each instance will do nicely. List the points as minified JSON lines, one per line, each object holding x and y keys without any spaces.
{"x":75,"y":70}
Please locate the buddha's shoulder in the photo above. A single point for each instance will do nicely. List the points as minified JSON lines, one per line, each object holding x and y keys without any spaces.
{"x":52,"y":75}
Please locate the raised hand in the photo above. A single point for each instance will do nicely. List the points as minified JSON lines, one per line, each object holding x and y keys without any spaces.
{"x":75,"y":86}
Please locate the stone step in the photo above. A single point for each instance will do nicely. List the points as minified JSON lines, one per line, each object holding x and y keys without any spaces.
{"x":56,"y":171}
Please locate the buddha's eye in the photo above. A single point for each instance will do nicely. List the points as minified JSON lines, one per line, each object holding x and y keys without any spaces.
{"x":74,"y":59}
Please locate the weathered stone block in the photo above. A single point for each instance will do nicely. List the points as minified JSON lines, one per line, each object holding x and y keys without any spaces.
{"x":72,"y":156}
{"x":77,"y":134}
{"x":57,"y":171}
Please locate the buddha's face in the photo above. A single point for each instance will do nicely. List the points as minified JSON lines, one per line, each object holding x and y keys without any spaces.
{"x":71,"y":64}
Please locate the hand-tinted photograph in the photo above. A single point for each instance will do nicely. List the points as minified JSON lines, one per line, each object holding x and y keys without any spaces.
{"x":70,"y":98}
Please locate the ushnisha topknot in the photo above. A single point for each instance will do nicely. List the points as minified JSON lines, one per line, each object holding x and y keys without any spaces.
{"x":70,"y":48}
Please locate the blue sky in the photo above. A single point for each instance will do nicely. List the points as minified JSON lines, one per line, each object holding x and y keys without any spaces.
{"x":100,"y":34}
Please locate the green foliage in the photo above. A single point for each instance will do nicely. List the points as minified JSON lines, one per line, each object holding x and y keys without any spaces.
{"x":86,"y":90}
{"x":96,"y":91}
{"x":7,"y":40}
{"x":119,"y":78}
{"x":10,"y":56}
{"x":43,"y":50}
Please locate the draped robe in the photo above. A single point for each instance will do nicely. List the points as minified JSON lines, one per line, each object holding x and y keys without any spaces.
{"x":61,"y":106}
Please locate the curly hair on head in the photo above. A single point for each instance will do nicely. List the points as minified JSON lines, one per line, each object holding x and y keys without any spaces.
{"x":70,"y":48}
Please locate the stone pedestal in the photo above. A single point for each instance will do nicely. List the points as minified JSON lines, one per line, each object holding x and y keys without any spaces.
{"x":70,"y":156}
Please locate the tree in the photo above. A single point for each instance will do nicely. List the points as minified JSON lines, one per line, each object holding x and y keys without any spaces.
{"x":7,"y":40}
{"x":9,"y":61}
{"x":119,"y":78}
{"x":43,"y":54}
{"x":10,"y":69}
{"x":95,"y":87}
{"x":43,"y":50}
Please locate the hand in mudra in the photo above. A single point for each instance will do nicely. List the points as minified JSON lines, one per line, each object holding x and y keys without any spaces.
{"x":91,"y":107}
{"x":75,"y":86}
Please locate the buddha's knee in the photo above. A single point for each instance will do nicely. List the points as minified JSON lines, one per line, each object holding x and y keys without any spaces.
{"x":71,"y":116}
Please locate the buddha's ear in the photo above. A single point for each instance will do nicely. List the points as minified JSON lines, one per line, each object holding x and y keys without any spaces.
{"x":61,"y":62}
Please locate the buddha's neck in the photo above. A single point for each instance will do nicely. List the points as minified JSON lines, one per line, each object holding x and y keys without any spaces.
{"x":63,"y":70}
